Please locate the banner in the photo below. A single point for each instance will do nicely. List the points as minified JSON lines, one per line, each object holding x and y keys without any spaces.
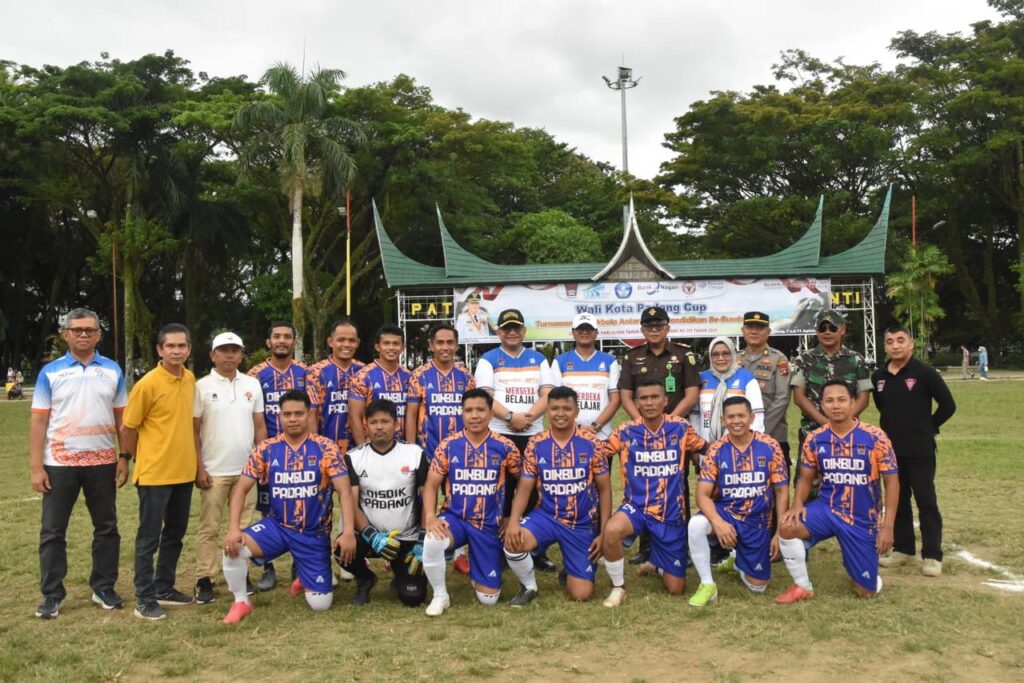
{"x":697,"y":308}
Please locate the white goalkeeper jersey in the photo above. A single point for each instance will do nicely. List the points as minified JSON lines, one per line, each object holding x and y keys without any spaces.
{"x":389,"y":486}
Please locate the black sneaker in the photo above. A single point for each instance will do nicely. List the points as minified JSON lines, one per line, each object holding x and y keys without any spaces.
{"x":269,"y":578}
{"x":250,"y":587}
{"x":108,"y":599}
{"x":639,"y":558}
{"x":363,"y":588}
{"x":524,"y":597}
{"x":204,"y":591}
{"x":173,"y":598}
{"x":150,"y":610}
{"x":49,"y":608}
{"x":544,"y":564}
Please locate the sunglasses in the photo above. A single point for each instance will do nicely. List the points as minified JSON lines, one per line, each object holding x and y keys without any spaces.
{"x":511,"y":328}
{"x":654,"y":327}
{"x":827,"y":327}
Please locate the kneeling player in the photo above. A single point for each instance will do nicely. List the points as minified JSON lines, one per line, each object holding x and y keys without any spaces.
{"x":652,"y":451}
{"x":565,"y":464}
{"x":300,"y":470}
{"x":850,"y":457}
{"x":386,"y":477}
{"x":473,"y":464}
{"x":749,"y":471}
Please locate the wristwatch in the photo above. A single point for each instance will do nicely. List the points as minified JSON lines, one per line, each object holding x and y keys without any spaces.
{"x":125,"y":454}
{"x":508,"y":418}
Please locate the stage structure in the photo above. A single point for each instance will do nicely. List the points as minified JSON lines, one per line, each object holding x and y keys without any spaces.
{"x":704,"y":297}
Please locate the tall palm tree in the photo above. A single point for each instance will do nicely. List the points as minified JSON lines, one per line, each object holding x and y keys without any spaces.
{"x":295,"y":129}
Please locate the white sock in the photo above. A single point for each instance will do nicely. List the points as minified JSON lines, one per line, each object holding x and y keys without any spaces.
{"x":796,"y":561}
{"x":460,"y":551}
{"x":700,"y":550}
{"x":878,"y":588}
{"x":522,"y":565}
{"x":434,"y":565}
{"x":319,"y":602}
{"x":616,"y":572}
{"x":236,"y":570}
{"x":755,"y":588}
{"x":487,"y":599}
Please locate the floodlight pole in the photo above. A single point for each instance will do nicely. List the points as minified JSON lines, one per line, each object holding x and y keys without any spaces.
{"x":624,"y":82}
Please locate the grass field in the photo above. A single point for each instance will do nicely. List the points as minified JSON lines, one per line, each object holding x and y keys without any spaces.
{"x":945,"y":629}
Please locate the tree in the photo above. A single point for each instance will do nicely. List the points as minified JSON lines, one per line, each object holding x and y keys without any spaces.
{"x":548,"y":232}
{"x":912,"y":291}
{"x":295,"y":129}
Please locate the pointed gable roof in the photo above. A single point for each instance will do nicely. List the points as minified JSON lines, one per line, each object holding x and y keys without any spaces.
{"x":631,"y":247}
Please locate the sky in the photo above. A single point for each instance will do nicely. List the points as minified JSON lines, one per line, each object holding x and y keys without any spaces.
{"x":536,"y":63}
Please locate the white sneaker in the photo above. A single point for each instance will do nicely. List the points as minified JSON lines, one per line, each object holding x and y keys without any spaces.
{"x":616,"y":597}
{"x":438,"y":606}
{"x":895,"y":559}
{"x":931,"y":567}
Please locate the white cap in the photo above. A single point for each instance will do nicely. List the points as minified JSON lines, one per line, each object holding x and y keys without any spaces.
{"x":584,"y":319}
{"x":226,"y":339}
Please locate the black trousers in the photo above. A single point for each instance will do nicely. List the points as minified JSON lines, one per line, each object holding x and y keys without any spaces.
{"x":917,"y":479}
{"x":163,"y":521}
{"x":411,"y":590}
{"x":97,"y":481}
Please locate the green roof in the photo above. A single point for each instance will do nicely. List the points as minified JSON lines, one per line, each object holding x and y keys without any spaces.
{"x":802,"y":258}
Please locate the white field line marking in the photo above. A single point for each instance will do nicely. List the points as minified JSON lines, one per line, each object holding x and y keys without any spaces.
{"x":22,"y":500}
{"x":1013,"y":583}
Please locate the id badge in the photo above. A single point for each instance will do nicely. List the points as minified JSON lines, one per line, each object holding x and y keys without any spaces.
{"x":670,"y":384}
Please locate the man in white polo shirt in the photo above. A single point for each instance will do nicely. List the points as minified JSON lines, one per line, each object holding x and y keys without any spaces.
{"x":76,"y":414}
{"x":228,"y":420}
{"x":592,"y":374}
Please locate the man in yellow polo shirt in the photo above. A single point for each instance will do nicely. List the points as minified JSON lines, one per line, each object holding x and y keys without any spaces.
{"x":157,"y":431}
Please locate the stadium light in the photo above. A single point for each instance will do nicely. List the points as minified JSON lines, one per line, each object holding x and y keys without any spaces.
{"x":624,"y":82}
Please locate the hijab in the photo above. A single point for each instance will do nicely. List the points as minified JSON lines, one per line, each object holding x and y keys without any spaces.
{"x":716,"y":429}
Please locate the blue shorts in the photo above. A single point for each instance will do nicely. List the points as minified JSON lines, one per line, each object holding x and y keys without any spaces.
{"x":668,"y":541}
{"x":574,"y":543}
{"x":860,"y":552}
{"x":753,"y":547}
{"x":486,"y":557}
{"x":310,"y":552}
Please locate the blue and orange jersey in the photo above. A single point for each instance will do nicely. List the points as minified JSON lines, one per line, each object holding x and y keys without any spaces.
{"x":274,"y":384}
{"x":475,"y":476}
{"x":299,"y":479}
{"x":653,"y":465}
{"x":746,"y":477}
{"x":374,"y":382}
{"x":851,"y":467}
{"x":566,"y":473}
{"x":327,"y":386}
{"x":437,"y":398}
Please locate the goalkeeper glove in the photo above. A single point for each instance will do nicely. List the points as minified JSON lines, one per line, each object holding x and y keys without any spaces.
{"x":385,"y":545}
{"x":415,"y":559}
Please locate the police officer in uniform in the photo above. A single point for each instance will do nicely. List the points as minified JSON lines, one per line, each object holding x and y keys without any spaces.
{"x":673,"y":364}
{"x":771,"y":368}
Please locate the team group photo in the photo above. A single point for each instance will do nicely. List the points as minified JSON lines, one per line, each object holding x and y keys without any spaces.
{"x":310,"y":379}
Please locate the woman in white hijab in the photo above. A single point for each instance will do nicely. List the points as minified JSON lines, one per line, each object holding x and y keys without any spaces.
{"x":724,"y":379}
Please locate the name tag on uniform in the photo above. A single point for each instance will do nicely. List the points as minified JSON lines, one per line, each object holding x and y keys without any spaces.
{"x":670,"y":384}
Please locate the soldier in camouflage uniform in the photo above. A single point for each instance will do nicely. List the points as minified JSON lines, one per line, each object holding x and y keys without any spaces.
{"x":818,"y":365}
{"x":771,"y":368}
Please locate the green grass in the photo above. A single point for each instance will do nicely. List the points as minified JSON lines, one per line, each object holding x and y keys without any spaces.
{"x":952,"y":628}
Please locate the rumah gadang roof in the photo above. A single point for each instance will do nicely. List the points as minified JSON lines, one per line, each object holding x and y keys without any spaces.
{"x":802,"y":258}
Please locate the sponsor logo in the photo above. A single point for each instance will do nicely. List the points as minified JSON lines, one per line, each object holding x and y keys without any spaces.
{"x":275,"y":463}
{"x":492,"y":574}
{"x":910,"y":382}
{"x":405,"y":469}
{"x":761,"y":462}
{"x":689,"y":287}
{"x":311,"y":461}
{"x":319,"y":579}
{"x":623,"y":290}
{"x":593,"y":291}
{"x":860,"y":449}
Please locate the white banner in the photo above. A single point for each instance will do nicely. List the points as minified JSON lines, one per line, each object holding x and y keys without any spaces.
{"x":697,"y":308}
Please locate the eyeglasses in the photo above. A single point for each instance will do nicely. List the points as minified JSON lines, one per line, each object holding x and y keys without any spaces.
{"x":654,"y":327}
{"x":721,"y":354}
{"x":82,"y":331}
{"x":827,"y":327}
{"x":511,"y":328}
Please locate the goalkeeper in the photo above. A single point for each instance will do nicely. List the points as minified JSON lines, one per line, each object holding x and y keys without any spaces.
{"x":386,"y":476}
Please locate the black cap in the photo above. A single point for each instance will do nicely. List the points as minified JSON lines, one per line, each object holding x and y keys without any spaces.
{"x":653,"y":314}
{"x":511,"y":316}
{"x":755,"y":318}
{"x":473,"y":298}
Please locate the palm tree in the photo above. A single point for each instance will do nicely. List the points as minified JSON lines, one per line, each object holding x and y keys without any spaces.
{"x":295,"y":129}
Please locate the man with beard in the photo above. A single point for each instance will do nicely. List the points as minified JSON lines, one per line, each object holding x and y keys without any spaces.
{"x":276,"y":375}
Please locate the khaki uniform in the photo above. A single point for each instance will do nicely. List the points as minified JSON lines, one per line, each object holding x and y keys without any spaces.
{"x":771,"y":368}
{"x":676,"y":361}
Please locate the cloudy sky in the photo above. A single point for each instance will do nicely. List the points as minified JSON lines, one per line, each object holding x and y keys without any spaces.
{"x":536,"y":63}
